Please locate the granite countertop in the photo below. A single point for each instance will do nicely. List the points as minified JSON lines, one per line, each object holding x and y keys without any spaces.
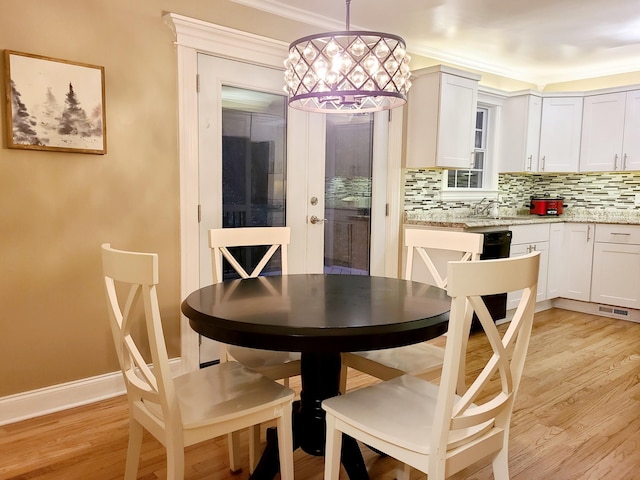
{"x":463,"y":220}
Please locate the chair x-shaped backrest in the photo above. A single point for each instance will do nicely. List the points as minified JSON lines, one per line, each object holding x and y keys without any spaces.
{"x":138,"y":272}
{"x":468,"y":246}
{"x":221,"y":239}
{"x":481,"y":407}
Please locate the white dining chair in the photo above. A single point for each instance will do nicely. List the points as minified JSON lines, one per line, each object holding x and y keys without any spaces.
{"x":192,"y":407}
{"x":273,"y":364}
{"x":226,"y":244}
{"x":427,"y":426}
{"x":433,"y":248}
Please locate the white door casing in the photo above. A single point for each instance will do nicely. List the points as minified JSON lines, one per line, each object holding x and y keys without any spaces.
{"x":194,"y":37}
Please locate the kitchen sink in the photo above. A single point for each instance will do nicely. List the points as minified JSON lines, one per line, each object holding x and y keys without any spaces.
{"x":488,"y":219}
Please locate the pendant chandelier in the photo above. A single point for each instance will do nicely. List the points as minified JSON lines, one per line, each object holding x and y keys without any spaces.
{"x":347,"y":72}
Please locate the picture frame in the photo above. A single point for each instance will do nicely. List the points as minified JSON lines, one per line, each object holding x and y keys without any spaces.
{"x":55,"y":105}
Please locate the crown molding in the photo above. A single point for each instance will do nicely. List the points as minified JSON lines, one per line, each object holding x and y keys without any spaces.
{"x":537,"y":77}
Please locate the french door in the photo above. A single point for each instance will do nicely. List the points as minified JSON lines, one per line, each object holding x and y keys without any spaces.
{"x":263,"y":164}
{"x":305,"y":156}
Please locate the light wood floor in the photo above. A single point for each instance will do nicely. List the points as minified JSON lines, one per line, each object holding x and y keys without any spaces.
{"x":577,"y":417}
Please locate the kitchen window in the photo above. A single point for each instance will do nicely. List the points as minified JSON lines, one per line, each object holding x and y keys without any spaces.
{"x":481,"y":180}
{"x":474,"y":177}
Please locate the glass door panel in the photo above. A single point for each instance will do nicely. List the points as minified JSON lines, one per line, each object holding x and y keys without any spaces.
{"x":253,"y":168}
{"x":348,"y":167}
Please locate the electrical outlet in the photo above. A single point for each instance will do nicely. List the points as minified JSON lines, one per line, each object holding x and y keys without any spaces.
{"x":637,"y":200}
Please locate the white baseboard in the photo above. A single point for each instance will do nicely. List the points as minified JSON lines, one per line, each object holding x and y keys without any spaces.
{"x":621,"y":313}
{"x":25,"y":405}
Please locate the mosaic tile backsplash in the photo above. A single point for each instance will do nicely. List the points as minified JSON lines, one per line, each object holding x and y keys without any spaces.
{"x":605,"y":191}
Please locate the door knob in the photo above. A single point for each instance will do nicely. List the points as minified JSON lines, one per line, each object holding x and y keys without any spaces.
{"x":315,"y":219}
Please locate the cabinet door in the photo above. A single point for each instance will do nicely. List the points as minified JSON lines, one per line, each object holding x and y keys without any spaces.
{"x":577,"y":260}
{"x":456,"y":126}
{"x":441,"y":120}
{"x":522,"y":249}
{"x":360,"y":237}
{"x":560,"y":134}
{"x":556,"y":260}
{"x":348,"y":141}
{"x":602,"y":131}
{"x":616,"y":270}
{"x":520,"y":137}
{"x":631,"y":143}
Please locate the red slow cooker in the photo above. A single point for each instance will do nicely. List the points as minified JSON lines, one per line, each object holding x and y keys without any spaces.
{"x":546,"y":205}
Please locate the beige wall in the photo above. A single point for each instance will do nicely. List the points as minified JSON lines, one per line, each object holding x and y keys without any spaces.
{"x":57,"y":208}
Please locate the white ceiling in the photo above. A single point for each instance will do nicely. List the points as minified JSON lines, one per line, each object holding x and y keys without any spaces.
{"x":537,"y":41}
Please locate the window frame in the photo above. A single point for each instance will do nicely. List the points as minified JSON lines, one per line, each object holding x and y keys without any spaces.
{"x":493,"y":103}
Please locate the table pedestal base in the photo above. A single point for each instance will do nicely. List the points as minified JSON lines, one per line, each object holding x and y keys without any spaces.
{"x":320,"y":380}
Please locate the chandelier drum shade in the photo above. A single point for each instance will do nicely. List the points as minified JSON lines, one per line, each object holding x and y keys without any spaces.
{"x":347,"y":72}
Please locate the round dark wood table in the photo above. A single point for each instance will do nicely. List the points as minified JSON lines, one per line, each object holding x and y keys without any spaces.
{"x":319,"y":316}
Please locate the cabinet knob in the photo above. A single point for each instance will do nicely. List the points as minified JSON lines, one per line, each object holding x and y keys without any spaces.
{"x":624,"y":162}
{"x":544,"y":157}
{"x":615,"y":162}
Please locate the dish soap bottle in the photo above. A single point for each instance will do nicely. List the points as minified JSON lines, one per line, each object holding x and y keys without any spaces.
{"x":495,"y":211}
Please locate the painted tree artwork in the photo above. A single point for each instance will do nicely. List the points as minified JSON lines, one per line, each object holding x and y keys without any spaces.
{"x":54,"y":104}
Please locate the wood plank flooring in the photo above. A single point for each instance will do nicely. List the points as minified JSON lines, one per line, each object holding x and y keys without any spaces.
{"x":577,"y":417}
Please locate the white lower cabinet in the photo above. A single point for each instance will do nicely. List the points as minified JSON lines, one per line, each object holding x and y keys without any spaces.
{"x":597,"y":263}
{"x":527,"y":239}
{"x":556,"y":258}
{"x":576,"y":261}
{"x":615,"y":276}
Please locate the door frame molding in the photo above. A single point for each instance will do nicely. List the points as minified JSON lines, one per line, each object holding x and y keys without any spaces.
{"x":192,"y":37}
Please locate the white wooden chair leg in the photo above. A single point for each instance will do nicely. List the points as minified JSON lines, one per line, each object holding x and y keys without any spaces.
{"x":136,"y":432}
{"x":501,"y":465}
{"x":233,"y":443}
{"x":175,"y":462}
{"x":254,"y":447}
{"x":332,"y":450}
{"x":285,"y":443}
{"x":403,"y":471}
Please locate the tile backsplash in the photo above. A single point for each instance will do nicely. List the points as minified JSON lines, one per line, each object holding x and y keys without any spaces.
{"x":604,"y":191}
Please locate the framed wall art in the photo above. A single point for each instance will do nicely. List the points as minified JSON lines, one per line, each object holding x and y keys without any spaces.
{"x":54,"y":105}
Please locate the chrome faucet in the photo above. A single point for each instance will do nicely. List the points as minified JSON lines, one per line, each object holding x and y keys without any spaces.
{"x":490,"y":209}
{"x":478,"y":208}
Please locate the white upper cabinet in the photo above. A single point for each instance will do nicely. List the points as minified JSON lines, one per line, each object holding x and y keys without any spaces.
{"x":631,"y":137}
{"x":603,"y":126}
{"x":442,"y":107}
{"x":520,"y":133}
{"x":560,"y":134}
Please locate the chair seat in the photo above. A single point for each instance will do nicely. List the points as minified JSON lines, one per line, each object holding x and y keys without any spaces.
{"x":222,"y":392}
{"x":401,"y":411}
{"x":275,"y":365}
{"x":416,"y":359}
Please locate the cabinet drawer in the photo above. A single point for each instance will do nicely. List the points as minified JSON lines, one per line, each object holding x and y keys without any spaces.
{"x":626,"y":234}
{"x":538,"y":232}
